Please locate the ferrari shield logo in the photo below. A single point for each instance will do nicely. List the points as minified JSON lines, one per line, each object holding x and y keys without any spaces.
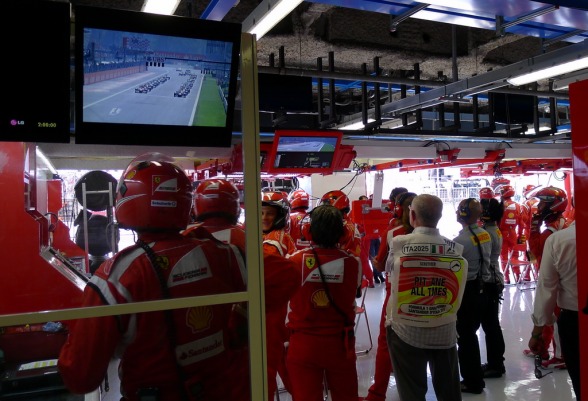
{"x":162,"y":261}
{"x":309,"y":262}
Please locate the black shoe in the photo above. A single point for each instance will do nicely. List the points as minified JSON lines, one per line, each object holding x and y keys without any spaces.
{"x":377,"y":280}
{"x":472,"y":390}
{"x":491,"y":372}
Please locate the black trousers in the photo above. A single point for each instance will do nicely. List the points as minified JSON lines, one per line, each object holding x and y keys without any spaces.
{"x":468,"y":347}
{"x":490,"y":322}
{"x":374,"y":247}
{"x":568,"y":330}
{"x":410,"y":370}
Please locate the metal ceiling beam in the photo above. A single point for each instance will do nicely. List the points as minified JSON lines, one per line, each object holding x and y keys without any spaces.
{"x":349,"y":77}
{"x":565,"y":80}
{"x":577,"y":4}
{"x":502,"y":26}
{"x":354,"y":118}
{"x":549,"y":42}
{"x":395,"y":21}
{"x":216,"y":10}
{"x":487,"y":81}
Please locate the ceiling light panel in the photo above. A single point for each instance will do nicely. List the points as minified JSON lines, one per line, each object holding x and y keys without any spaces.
{"x":267,"y":14}
{"x":165,"y":7}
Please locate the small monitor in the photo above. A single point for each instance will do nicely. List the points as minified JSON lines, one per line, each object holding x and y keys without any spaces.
{"x":149,"y":79}
{"x":513,"y":108}
{"x":285,"y":93}
{"x":36,"y":86}
{"x":304,"y":152}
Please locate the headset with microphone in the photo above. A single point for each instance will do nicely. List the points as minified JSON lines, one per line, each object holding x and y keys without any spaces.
{"x":398,"y":208}
{"x":464,"y":209}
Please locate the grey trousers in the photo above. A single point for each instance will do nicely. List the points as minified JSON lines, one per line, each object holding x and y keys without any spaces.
{"x":410,"y":370}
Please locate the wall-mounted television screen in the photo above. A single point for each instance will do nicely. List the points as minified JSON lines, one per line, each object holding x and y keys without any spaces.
{"x":35,"y":37}
{"x":149,"y":79}
{"x":513,"y":109}
{"x":285,"y":93}
{"x":304,"y":152}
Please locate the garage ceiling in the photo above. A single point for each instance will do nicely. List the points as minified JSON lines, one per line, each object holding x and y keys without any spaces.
{"x":359,"y":30}
{"x":446,"y":41}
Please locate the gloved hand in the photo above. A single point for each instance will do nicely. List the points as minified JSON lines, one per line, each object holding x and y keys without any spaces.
{"x":376,"y":264}
{"x":499,"y":288}
{"x":358,"y":292}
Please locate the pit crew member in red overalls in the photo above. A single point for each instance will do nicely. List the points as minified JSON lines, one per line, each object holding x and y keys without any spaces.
{"x":322,"y":315}
{"x":275,"y":219}
{"x":275,"y":222}
{"x":217,"y":208}
{"x":281,"y":279}
{"x":383,"y":370}
{"x":380,"y":259}
{"x":513,"y":228}
{"x":553,"y":202}
{"x":299,"y":204}
{"x":485,"y":194}
{"x":530,"y":203}
{"x":364,"y":255}
{"x":351,"y":240}
{"x":176,"y":355}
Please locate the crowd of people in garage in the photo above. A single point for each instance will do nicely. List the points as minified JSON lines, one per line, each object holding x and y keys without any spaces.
{"x":439,"y":291}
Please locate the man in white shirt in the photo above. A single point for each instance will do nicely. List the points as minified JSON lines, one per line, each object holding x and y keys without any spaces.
{"x":558,"y":285}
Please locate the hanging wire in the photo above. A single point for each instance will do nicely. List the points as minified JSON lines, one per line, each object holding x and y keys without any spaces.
{"x":353,"y":179}
{"x":564,"y":175}
{"x":437,"y":142}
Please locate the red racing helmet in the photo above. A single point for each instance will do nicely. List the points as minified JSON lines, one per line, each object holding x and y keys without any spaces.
{"x":556,"y":198}
{"x":338,"y":199}
{"x":528,"y":191}
{"x":218,"y":197}
{"x":274,"y":196}
{"x":486,"y":193}
{"x":305,"y":228}
{"x":507,"y":191}
{"x":299,"y":199}
{"x":153,"y":196}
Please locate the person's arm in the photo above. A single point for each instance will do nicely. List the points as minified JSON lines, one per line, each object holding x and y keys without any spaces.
{"x":379,"y":261}
{"x":355,"y":241}
{"x":84,"y":358}
{"x":282,"y":278}
{"x":290,"y":244}
{"x":537,"y":239}
{"x":523,"y":224}
{"x":545,"y":295}
{"x":281,"y":241}
{"x":271,"y":247}
{"x":536,"y":341}
{"x":390,"y":303}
